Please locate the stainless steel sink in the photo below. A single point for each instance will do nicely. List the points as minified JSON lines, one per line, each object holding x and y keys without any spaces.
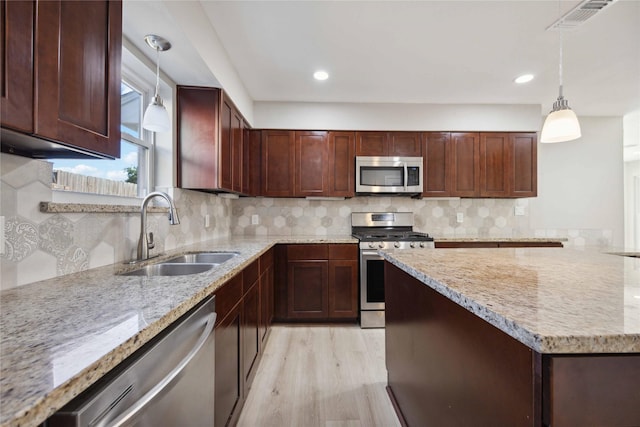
{"x":183,"y":265}
{"x":170,"y":269}
{"x":204,"y":257}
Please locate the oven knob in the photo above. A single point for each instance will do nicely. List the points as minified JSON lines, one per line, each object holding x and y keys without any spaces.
{"x":371,"y":245}
{"x":396,"y":244}
{"x":381,"y":245}
{"x":412,"y":245}
{"x":421,"y":244}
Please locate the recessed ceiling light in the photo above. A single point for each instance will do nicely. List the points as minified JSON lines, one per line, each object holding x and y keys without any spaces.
{"x":525,"y":78}
{"x":321,"y":75}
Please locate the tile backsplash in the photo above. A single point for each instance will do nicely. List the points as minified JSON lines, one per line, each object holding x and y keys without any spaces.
{"x":43,"y":245}
{"x":40,"y":245}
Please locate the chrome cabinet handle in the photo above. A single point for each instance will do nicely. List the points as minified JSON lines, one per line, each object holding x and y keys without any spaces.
{"x":134,"y":409}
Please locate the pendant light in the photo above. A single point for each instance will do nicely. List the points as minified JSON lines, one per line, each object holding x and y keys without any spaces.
{"x":156,"y":117}
{"x":562,"y":123}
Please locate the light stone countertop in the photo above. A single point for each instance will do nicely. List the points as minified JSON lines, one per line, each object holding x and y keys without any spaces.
{"x":554,"y":300}
{"x":503,"y":239}
{"x":59,"y":336}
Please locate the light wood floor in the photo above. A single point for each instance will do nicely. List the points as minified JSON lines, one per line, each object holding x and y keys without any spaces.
{"x":320,"y":376}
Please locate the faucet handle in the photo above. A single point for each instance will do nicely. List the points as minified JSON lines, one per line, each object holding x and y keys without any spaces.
{"x":150,"y":243}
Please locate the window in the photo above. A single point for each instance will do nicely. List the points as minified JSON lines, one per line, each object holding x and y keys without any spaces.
{"x":128,"y":176}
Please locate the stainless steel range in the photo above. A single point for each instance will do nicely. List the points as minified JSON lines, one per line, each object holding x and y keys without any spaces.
{"x":381,"y":230}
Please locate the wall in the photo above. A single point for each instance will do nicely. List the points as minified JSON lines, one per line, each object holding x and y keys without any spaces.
{"x":426,"y":117}
{"x":580,"y":183}
{"x":42,"y":245}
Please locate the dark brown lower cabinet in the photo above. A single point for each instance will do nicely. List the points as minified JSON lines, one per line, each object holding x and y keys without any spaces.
{"x":228,"y":373}
{"x":317,"y":282}
{"x":251,"y":333}
{"x":242,"y":325}
{"x":448,"y":367}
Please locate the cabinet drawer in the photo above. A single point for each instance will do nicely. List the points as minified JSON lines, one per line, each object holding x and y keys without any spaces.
{"x":307,"y":252}
{"x":227,"y":297}
{"x":343,"y":251}
{"x":249,"y":276}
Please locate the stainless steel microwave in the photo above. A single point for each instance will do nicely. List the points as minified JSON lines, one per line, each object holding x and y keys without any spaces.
{"x":388,"y":175}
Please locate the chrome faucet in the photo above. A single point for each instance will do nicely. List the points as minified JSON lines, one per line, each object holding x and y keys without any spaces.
{"x":145,"y":243}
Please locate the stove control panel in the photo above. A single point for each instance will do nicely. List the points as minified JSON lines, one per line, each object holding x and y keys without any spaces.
{"x":397,"y":245}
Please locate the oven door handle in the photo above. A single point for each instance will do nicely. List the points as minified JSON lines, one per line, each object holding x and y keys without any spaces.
{"x":372,"y":253}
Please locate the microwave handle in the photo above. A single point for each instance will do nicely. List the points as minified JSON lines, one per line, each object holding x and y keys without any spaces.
{"x":406,"y":176}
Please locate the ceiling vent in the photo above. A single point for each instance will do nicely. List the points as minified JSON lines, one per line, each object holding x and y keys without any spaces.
{"x":580,"y":14}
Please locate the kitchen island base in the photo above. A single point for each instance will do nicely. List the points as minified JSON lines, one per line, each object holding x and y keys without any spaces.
{"x":448,"y":367}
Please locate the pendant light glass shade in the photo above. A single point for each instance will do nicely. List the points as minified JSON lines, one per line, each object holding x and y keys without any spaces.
{"x":156,"y":118}
{"x":561,"y":124}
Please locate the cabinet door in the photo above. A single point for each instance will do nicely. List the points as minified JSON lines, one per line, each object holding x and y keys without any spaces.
{"x":266,"y":293}
{"x":407,"y":144}
{"x":228,"y":391}
{"x":524,"y":163}
{"x":236,"y":150}
{"x":307,"y":289}
{"x":465,"y":165}
{"x":226,"y":146}
{"x":77,"y":57}
{"x":437,"y":164}
{"x":311,"y":163}
{"x":372,"y":144}
{"x":251,"y":334}
{"x":277,"y":163}
{"x":341,"y":164}
{"x":198,"y":126}
{"x":251,"y":162}
{"x":343,"y":289}
{"x":16,"y":98}
{"x":198,"y":110}
{"x":495,"y":166}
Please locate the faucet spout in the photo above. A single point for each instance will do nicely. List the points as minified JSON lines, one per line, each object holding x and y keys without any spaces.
{"x":143,"y":242}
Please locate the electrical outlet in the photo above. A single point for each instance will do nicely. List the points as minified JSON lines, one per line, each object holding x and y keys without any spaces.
{"x":255,"y":219}
{"x":460,"y":217}
{"x":207,"y":221}
{"x":519,"y":210}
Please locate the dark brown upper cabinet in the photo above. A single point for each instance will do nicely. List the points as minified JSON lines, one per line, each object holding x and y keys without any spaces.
{"x":278,"y":161}
{"x":210,"y":141}
{"x":524,"y":164}
{"x":436,"y":149}
{"x":342,"y":164}
{"x":464,"y":166}
{"x":311,"y":177}
{"x":61,"y":77}
{"x":307,"y":163}
{"x":495,"y":157}
{"x":484,"y":164}
{"x":508,"y":164}
{"x":406,"y":144}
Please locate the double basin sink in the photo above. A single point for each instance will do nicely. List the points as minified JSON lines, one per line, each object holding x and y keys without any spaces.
{"x":182,"y":265}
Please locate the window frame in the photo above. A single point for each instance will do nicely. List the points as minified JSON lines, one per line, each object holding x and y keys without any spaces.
{"x":147,"y":91}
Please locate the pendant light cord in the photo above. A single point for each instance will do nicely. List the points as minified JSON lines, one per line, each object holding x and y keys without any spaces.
{"x":560,"y":61}
{"x":157,"y":71}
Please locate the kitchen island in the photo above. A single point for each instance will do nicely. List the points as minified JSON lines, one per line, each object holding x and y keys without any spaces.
{"x":513,"y":337}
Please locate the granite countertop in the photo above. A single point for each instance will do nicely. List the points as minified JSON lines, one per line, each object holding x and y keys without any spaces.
{"x":503,"y":239}
{"x":554,"y":300}
{"x":61,"y":335}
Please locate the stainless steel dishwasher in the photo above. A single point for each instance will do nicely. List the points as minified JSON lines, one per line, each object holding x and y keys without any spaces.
{"x":169,"y":382}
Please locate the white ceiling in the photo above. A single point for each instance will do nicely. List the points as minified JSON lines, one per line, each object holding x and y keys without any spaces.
{"x":453,"y":52}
